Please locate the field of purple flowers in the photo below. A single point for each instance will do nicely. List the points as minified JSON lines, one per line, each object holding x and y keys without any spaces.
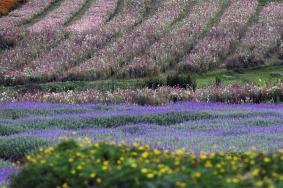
{"x":194,"y":126}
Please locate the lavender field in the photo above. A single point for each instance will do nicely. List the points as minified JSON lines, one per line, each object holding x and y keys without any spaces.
{"x":194,"y":126}
{"x":141,"y":93}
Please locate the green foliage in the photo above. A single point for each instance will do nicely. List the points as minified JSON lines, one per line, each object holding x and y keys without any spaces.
{"x":70,"y":164}
{"x":4,"y":164}
{"x":17,"y":147}
{"x":218,"y":81}
{"x":183,"y":81}
{"x":147,"y":100}
{"x":116,"y":121}
{"x":155,"y":82}
{"x":6,"y":130}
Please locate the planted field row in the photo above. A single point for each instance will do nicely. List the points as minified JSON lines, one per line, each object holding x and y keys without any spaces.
{"x":261,"y":40}
{"x":135,"y":42}
{"x":197,"y":127}
{"x":175,"y":43}
{"x":125,"y":47}
{"x":208,"y":51}
{"x":10,"y":24}
{"x":78,"y":48}
{"x":96,"y":15}
{"x":57,"y":17}
{"x":136,"y":39}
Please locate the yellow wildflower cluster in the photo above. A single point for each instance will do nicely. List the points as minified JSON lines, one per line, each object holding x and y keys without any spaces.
{"x":88,"y":164}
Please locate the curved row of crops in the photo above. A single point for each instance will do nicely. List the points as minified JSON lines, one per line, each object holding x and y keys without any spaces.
{"x":135,"y":39}
{"x":227,"y":145}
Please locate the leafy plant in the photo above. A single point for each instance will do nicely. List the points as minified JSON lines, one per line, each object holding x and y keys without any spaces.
{"x":72,"y":164}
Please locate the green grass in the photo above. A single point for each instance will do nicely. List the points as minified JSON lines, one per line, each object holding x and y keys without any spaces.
{"x":268,"y":74}
{"x":259,"y":75}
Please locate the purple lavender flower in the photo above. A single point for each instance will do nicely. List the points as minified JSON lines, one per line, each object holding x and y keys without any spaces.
{"x":5,"y":173}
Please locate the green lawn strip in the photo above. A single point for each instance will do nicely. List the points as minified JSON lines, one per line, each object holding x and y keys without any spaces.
{"x":166,"y":119}
{"x":101,"y":85}
{"x":259,"y":75}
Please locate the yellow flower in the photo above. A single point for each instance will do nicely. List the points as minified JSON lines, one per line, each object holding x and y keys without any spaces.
{"x":196,"y":175}
{"x":92,"y":175}
{"x":266,"y":160}
{"x":135,"y":144}
{"x":144,"y":170}
{"x":104,"y":168}
{"x":134,"y":165}
{"x":73,"y":172}
{"x":145,"y":155}
{"x":98,"y":180}
{"x":157,"y":152}
{"x":177,"y":162}
{"x":180,"y":152}
{"x":255,"y":172}
{"x":79,"y":167}
{"x":235,"y":180}
{"x":134,"y":153}
{"x":150,"y":175}
{"x":203,"y":157}
{"x":208,"y":164}
{"x":181,"y":184}
{"x":65,"y":185}
{"x":259,"y":183}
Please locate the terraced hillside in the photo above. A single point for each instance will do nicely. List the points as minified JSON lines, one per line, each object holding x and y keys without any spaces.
{"x":141,"y":93}
{"x":89,"y":40}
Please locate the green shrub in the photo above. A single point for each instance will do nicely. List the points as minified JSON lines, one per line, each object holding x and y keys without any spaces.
{"x":238,"y":62}
{"x":218,"y":81}
{"x":105,"y":165}
{"x":16,"y":148}
{"x":155,"y":82}
{"x":182,"y":81}
{"x":148,"y":100}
